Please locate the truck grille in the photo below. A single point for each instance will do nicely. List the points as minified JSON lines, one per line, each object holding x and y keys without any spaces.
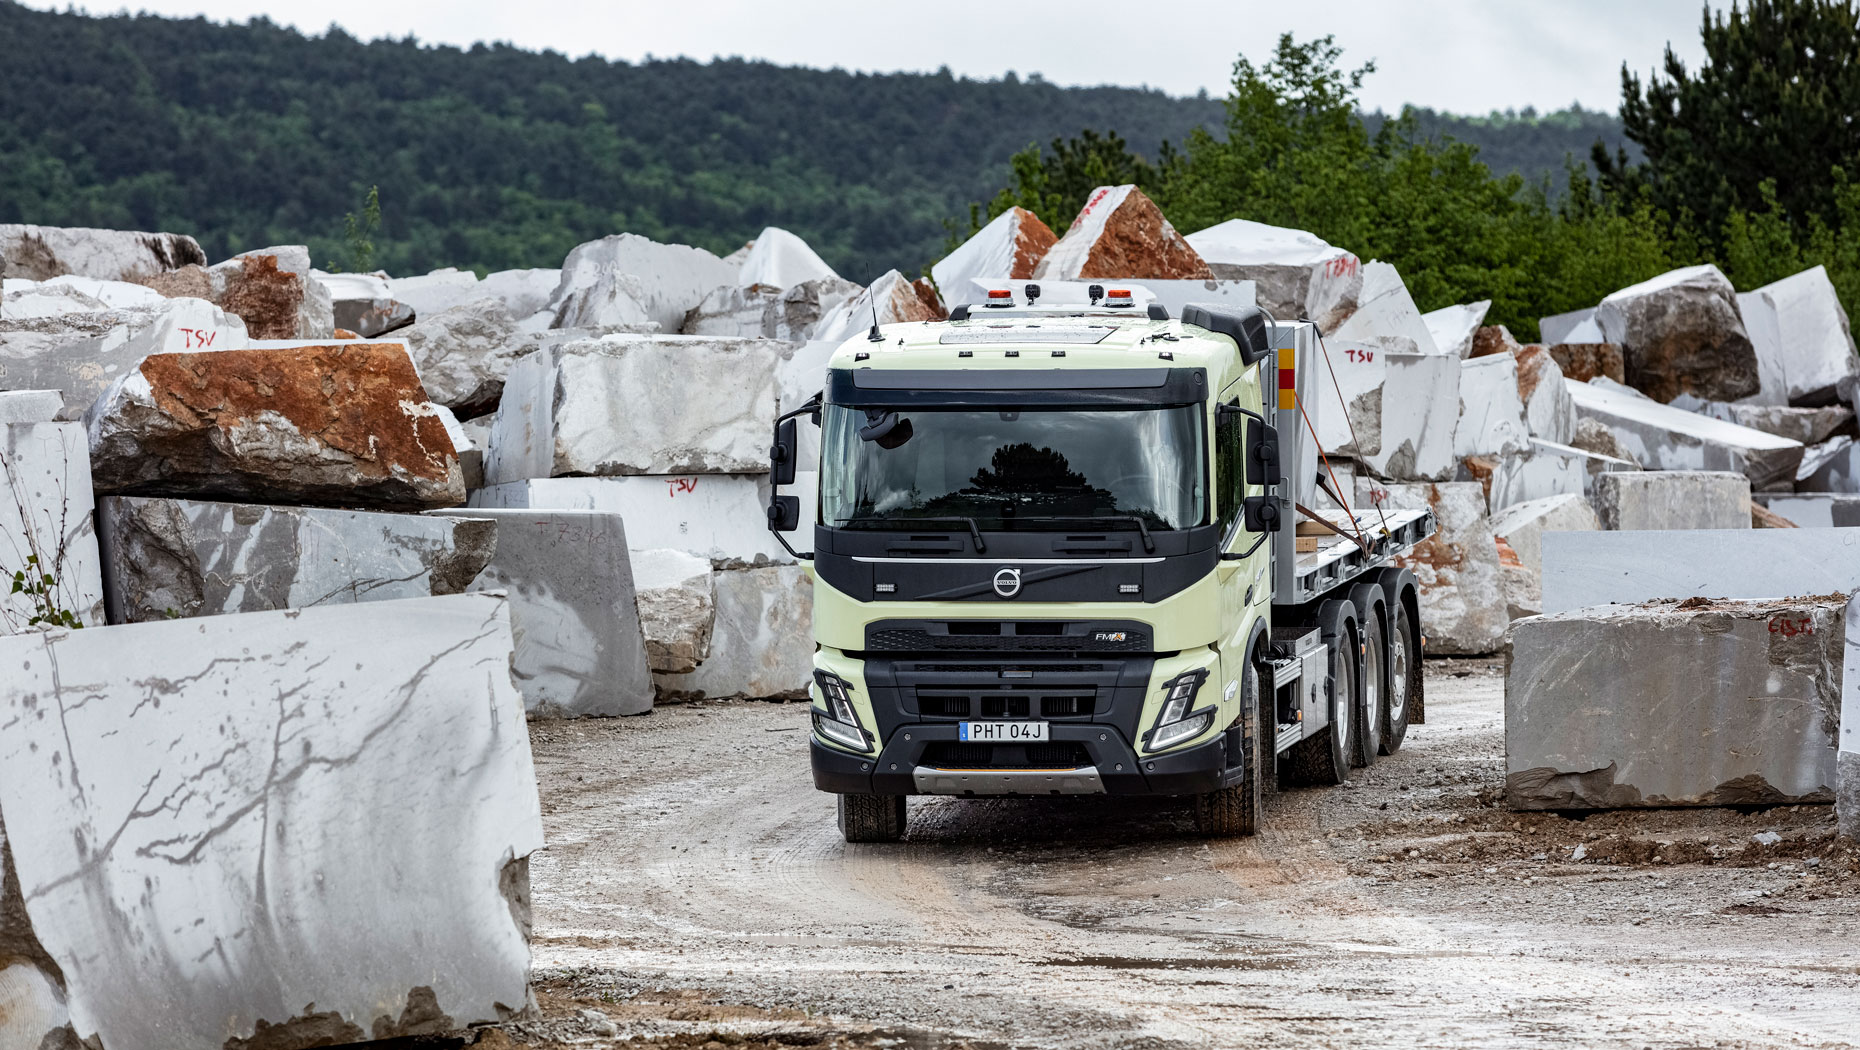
{"x":911,"y":640}
{"x":984,"y":702}
{"x":946,"y":754}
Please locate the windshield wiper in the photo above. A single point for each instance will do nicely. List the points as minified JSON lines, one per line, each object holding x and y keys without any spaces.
{"x":1149,"y":543}
{"x":975,"y":532}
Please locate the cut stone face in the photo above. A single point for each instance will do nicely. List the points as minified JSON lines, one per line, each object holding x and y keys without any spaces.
{"x":1803,"y":344}
{"x":1386,"y":314}
{"x":439,"y":290}
{"x":29,"y":406}
{"x":1348,"y":409}
{"x":1654,"y":500}
{"x":1491,"y":413}
{"x":1583,"y":569}
{"x":1577,"y":326}
{"x":214,"y":819}
{"x":346,"y":423}
{"x":779,"y":259}
{"x":361,"y":303}
{"x":1453,"y":327}
{"x":578,"y":646}
{"x":1660,"y":437}
{"x":45,"y":514}
{"x":39,"y":253}
{"x":717,"y":516}
{"x":1121,"y":233}
{"x":1522,"y":526}
{"x":1463,"y":608}
{"x":1817,"y":510}
{"x":1810,"y":426}
{"x":81,"y":354}
{"x":762,"y":643}
{"x":677,"y":608}
{"x":1847,"y":762}
{"x":1010,"y":246}
{"x":523,"y":292}
{"x":667,"y":282}
{"x":625,"y":405}
{"x":1549,"y":412}
{"x":463,"y":353}
{"x":1585,"y":361}
{"x":1674,"y":704}
{"x":1681,"y":334}
{"x":169,"y":558}
{"x":790,"y":315}
{"x":1296,"y":274}
{"x":1543,"y":469}
{"x":1420,"y":409}
{"x":1835,"y":467}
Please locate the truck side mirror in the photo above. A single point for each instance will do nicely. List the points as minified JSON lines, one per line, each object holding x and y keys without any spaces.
{"x":1262,"y":514}
{"x":783,"y":453}
{"x":1262,"y":445}
{"x":784,"y":513}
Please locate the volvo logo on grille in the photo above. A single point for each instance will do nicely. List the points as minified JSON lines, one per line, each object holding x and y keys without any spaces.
{"x":1007,"y":582}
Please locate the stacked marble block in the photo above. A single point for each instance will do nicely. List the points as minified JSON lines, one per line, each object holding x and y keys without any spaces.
{"x":670,"y":433}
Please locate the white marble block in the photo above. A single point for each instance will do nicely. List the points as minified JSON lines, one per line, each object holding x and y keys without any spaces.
{"x":225,"y":823}
{"x":762,"y":641}
{"x":45,"y":513}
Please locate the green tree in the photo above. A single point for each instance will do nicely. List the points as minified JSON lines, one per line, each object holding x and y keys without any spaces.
{"x":1054,"y":186}
{"x":358,"y":235}
{"x":1775,"y":96}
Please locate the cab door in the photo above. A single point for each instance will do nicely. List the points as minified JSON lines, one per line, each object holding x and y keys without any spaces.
{"x":1244,"y":584}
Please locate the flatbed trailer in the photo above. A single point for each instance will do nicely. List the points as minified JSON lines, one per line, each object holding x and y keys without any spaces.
{"x":1053,"y":555}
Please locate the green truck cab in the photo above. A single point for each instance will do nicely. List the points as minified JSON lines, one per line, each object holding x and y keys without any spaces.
{"x":1052,"y":555}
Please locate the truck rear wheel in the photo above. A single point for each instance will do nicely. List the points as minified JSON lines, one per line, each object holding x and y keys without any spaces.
{"x":1235,"y":809}
{"x":1373,"y":689}
{"x":1404,"y":678}
{"x":872,"y":818}
{"x":1324,"y":759}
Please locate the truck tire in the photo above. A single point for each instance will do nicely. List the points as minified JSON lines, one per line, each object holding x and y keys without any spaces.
{"x":1404,"y":679}
{"x":1402,"y":592}
{"x":1235,"y":809}
{"x":1373,"y":691}
{"x":1324,"y":759}
{"x":872,"y":818}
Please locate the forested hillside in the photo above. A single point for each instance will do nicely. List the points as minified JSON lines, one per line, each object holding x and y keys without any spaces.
{"x":246,"y":135}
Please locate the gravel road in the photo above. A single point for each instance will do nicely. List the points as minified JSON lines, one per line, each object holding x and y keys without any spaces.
{"x":695,"y":892}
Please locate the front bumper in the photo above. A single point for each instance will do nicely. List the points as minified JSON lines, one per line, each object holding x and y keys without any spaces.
{"x":1114,"y":769}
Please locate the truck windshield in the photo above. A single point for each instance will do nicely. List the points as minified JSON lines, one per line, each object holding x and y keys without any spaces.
{"x":1015,"y":469}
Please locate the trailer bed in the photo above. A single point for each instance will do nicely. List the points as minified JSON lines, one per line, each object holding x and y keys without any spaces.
{"x":1339,"y":561}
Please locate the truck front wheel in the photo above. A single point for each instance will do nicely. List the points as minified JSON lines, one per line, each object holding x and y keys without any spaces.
{"x":872,"y":818}
{"x":1234,"y":810}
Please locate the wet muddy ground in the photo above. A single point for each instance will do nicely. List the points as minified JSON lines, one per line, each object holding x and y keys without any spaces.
{"x":695,"y":891}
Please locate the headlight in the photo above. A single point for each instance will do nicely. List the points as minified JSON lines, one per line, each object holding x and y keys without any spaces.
{"x":1176,"y":723}
{"x":839,"y":723}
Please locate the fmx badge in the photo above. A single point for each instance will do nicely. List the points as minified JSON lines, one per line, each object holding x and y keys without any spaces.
{"x":1108,"y":636}
{"x":1007,"y":582}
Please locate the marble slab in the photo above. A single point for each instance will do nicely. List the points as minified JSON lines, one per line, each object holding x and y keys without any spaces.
{"x":45,"y":513}
{"x":1582,"y":569}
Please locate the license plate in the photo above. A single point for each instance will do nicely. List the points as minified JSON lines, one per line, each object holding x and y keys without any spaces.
{"x":1003,"y":732}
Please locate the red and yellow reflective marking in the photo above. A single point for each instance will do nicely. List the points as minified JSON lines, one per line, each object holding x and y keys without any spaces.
{"x":1288,"y":378}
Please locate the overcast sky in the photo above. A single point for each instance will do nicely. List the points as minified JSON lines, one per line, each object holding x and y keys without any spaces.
{"x":1466,"y":56}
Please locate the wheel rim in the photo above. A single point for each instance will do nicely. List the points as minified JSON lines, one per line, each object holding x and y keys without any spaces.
{"x":1345,"y":692}
{"x":1373,"y":690}
{"x":1397,"y":691}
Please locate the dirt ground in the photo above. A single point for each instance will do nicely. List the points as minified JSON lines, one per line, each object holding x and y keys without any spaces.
{"x":695,"y":893}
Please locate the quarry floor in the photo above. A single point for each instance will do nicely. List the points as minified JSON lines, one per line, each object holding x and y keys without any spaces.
{"x":695,"y":892}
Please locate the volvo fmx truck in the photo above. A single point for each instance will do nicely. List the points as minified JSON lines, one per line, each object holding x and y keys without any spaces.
{"x":1066,"y":548}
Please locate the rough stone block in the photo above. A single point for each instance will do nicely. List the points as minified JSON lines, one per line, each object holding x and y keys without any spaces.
{"x":625,"y":405}
{"x":1420,"y":407}
{"x":1463,"y":608}
{"x":1347,"y":409}
{"x":1653,"y":500}
{"x":1577,"y":326}
{"x":1803,"y":345}
{"x":790,"y":315}
{"x":889,"y":300}
{"x":1549,"y":411}
{"x":434,"y":292}
{"x":361,"y":303}
{"x":1121,"y":233}
{"x":523,"y":292}
{"x":1453,"y":327}
{"x":578,"y":646}
{"x":1816,"y":510}
{"x":1674,"y":703}
{"x":1010,"y":246}
{"x":1660,"y":437}
{"x":346,"y":423}
{"x":1599,"y":568}
{"x":1832,"y":466}
{"x":1386,"y":314}
{"x":217,"y":822}
{"x":1680,"y":333}
{"x":168,"y":558}
{"x":30,"y":406}
{"x":1585,"y":361}
{"x":1522,"y":526}
{"x":1541,"y":470}
{"x":81,"y":354}
{"x":677,"y":607}
{"x":664,"y":282}
{"x":1491,"y":416}
{"x":1810,"y":426}
{"x":1847,"y":760}
{"x":722,"y":517}
{"x":1296,"y":274}
{"x":46,"y":527}
{"x":779,"y":259}
{"x":38,"y":253}
{"x":762,"y":644}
